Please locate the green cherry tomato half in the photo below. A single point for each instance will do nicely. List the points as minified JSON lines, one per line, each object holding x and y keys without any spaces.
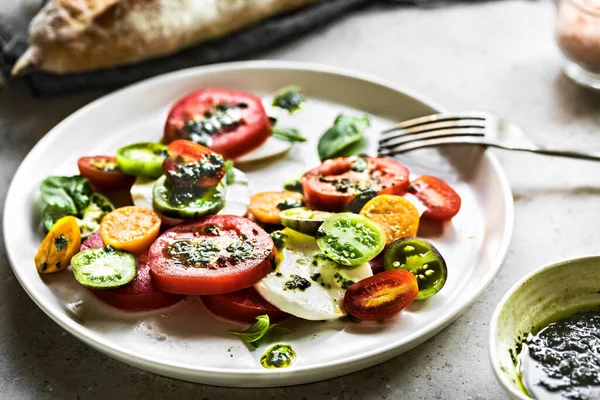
{"x":142,"y":159}
{"x":422,"y":259}
{"x":350,"y":239}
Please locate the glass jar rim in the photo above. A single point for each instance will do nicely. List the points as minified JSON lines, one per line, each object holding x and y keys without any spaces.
{"x":585,"y":8}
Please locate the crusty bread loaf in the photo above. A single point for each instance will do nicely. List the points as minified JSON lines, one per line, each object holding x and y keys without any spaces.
{"x":79,"y":35}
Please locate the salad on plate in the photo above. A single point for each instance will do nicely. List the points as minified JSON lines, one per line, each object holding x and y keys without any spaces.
{"x":155,"y":222}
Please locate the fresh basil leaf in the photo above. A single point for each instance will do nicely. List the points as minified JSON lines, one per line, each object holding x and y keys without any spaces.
{"x":53,"y":213}
{"x":257,"y":331}
{"x":229,"y":173}
{"x":288,"y":135}
{"x":346,"y":132}
{"x":71,"y":193}
{"x":290,"y":98}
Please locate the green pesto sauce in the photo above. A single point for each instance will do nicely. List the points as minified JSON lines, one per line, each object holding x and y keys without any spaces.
{"x":290,"y":99}
{"x":278,"y":356}
{"x":198,"y":254}
{"x":297,"y":283}
{"x":61,"y":242}
{"x":240,"y":250}
{"x":191,"y":173}
{"x":562,"y":361}
{"x":278,"y":239}
{"x":289,"y":203}
{"x":222,"y":118}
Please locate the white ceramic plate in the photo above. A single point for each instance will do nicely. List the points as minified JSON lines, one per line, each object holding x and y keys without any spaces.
{"x":186,"y":342}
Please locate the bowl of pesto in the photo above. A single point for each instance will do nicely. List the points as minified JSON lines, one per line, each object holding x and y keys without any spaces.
{"x":545,"y":333}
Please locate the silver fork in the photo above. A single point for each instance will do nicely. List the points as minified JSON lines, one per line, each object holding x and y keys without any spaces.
{"x":479,"y":128}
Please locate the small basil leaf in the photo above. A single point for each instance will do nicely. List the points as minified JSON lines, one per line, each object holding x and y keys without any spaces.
{"x":257,"y":331}
{"x":93,"y":214}
{"x":71,"y":193}
{"x":53,"y":213}
{"x":229,"y":173}
{"x":346,"y":132}
{"x":288,"y":135}
{"x":290,"y":99}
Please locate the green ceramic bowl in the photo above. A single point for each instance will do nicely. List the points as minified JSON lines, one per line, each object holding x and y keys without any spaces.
{"x":544,"y":295}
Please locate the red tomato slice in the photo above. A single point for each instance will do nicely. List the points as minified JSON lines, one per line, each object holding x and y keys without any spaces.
{"x":237,"y":121}
{"x":213,"y":255}
{"x":191,"y":163}
{"x":441,"y":200}
{"x":103,"y":172}
{"x":243,"y":306}
{"x":335,"y":182}
{"x":138,"y":295}
{"x":381,"y":296}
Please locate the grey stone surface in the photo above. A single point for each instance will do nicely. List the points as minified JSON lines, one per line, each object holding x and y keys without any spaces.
{"x":499,"y":57}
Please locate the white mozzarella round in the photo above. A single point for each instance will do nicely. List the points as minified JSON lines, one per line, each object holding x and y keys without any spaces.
{"x":302,"y":261}
{"x":237,"y":197}
{"x":271,"y":148}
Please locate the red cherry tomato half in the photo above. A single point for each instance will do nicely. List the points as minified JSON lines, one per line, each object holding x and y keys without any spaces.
{"x":104,"y":173}
{"x":213,"y":255}
{"x":381,"y":296}
{"x":243,"y":306}
{"x":138,"y":295}
{"x":441,"y":200}
{"x":334,"y":183}
{"x":232,"y":123}
{"x":191,"y":163}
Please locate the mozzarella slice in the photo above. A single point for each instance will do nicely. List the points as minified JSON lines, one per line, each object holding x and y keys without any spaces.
{"x":304,"y":264}
{"x":237,"y":197}
{"x":271,"y":148}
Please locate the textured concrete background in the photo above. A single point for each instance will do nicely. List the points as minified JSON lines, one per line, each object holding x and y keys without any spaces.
{"x":499,"y":57}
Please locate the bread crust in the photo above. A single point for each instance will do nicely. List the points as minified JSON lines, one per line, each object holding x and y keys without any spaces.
{"x":69,"y":36}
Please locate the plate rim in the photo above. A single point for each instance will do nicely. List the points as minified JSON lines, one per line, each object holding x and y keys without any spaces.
{"x":348,"y":364}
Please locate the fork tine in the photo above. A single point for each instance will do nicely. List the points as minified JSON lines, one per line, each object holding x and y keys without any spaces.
{"x":436,"y":126}
{"x":435,"y":118}
{"x":442,"y":133}
{"x":414,"y":145}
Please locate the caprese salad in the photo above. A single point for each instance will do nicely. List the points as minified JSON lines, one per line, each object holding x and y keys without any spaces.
{"x":339,"y":240}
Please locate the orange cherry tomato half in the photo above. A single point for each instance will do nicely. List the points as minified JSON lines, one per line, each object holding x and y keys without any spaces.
{"x":381,"y":296}
{"x":232,"y":123}
{"x":441,"y":200}
{"x":130,"y":228}
{"x":189,"y":163}
{"x":243,"y":306}
{"x":397,"y":216}
{"x":266,"y":206}
{"x":334,"y":183}
{"x":104,"y":173}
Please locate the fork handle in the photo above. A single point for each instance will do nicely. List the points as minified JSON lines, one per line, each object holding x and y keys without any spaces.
{"x":592,"y":156}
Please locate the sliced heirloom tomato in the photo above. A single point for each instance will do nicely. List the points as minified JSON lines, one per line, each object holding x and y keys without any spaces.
{"x":266,"y":206}
{"x":213,"y":255}
{"x":59,"y":246}
{"x":441,"y":200}
{"x":397,"y":216}
{"x":334,"y":183}
{"x":189,"y":163}
{"x":104,"y":173}
{"x":381,"y":296}
{"x":232,"y":123}
{"x":243,"y":306}
{"x":138,"y":295}
{"x":130,"y":228}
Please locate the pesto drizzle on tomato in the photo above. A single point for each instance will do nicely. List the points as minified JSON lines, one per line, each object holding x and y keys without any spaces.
{"x":222,"y":118}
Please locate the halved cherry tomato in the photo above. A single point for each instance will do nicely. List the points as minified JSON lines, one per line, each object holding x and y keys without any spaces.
{"x":397,"y":216}
{"x":189,"y":163}
{"x":441,"y":200}
{"x":334,"y":183}
{"x":232,"y":123}
{"x":138,"y":295}
{"x":381,"y":296}
{"x":213,"y":255}
{"x":59,"y":246}
{"x":266,"y":206}
{"x":104,"y":173}
{"x":130,"y":228}
{"x":244,"y":306}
